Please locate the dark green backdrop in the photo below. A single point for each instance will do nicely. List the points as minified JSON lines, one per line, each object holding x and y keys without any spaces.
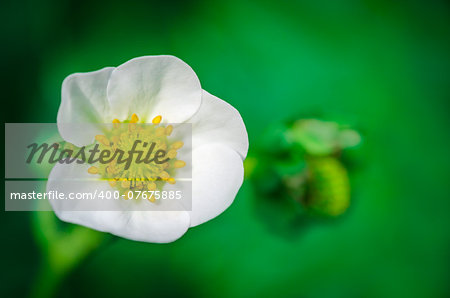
{"x":383,"y":65}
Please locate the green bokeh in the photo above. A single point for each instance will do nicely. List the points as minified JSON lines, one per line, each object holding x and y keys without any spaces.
{"x":382,"y":65}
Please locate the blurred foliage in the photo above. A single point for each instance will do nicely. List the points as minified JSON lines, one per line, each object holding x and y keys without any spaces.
{"x":385,"y":63}
{"x":321,"y":137}
{"x":63,"y":247}
{"x":298,"y":162}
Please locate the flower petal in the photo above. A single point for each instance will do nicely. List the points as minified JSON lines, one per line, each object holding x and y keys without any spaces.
{"x":152,"y":86}
{"x":148,"y":226}
{"x":83,"y":101}
{"x":218,"y":174}
{"x":218,"y":122}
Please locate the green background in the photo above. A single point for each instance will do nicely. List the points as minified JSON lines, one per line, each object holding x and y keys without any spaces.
{"x":384,"y":65}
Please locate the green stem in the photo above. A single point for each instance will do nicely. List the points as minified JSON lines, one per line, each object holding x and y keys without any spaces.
{"x":62,"y":250}
{"x":47,"y":281}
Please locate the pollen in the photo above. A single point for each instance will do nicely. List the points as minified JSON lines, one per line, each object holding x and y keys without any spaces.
{"x":102,"y":139}
{"x":157,"y":119}
{"x":151,"y":186}
{"x":179,"y":164}
{"x":93,"y":170}
{"x":134,"y":118}
{"x":164,"y":175}
{"x":160,"y":131}
{"x":138,"y":176}
{"x":116,"y":123}
{"x":172,"y":153}
{"x":177,"y":145}
{"x":151,"y":198}
{"x":112,"y":182}
{"x":169,"y":130}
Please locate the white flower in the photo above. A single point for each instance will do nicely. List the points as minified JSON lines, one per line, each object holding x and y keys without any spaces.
{"x":146,"y":88}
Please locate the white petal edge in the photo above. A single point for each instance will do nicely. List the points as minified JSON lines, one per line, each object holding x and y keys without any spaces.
{"x":218,"y":122}
{"x":217,"y":175}
{"x":154,"y":85}
{"x":83,"y":103}
{"x":146,"y":226}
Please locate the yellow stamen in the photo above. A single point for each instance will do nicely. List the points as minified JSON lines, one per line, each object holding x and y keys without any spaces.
{"x":134,"y":118}
{"x":164,"y":175}
{"x":116,"y":123}
{"x":139,"y":177}
{"x":93,"y":170}
{"x":151,"y":198}
{"x":179,"y":164}
{"x":169,"y":130}
{"x":159,"y":131}
{"x":177,"y":145}
{"x":110,"y":169}
{"x":115,"y":139}
{"x":126,"y":184}
{"x":157,"y":119}
{"x":162,"y":145}
{"x":151,"y":186}
{"x":172,"y":153}
{"x":102,"y":139}
{"x":150,"y":178}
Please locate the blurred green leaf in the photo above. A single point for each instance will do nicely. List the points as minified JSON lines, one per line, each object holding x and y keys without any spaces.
{"x":63,"y":247}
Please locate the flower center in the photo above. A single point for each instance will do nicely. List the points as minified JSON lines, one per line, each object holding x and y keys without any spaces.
{"x":150,"y":168}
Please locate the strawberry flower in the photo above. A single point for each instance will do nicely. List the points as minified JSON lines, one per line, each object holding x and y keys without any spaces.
{"x":160,"y":91}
